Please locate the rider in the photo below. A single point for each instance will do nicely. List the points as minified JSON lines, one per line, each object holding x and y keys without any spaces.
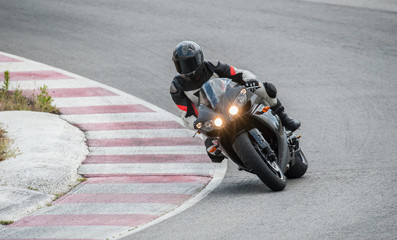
{"x":194,"y":71}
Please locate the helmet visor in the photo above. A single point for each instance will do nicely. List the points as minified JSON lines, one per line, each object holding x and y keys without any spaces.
{"x":188,"y":65}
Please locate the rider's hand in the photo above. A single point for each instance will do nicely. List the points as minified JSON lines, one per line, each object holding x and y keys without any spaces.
{"x":238,"y":78}
{"x":252,"y":84}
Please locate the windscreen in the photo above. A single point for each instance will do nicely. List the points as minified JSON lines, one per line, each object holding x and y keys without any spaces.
{"x":212,"y":91}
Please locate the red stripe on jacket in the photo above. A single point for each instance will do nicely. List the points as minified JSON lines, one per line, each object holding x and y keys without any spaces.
{"x":183,"y":108}
{"x":232,"y":71}
{"x":195,"y":109}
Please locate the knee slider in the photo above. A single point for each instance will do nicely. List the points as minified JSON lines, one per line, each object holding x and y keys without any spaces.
{"x":270,"y":89}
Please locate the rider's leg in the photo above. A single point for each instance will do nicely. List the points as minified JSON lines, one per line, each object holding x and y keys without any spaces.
{"x":268,"y":93}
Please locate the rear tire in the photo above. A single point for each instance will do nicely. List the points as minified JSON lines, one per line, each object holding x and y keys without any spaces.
{"x":244,"y":148}
{"x":299,"y":168}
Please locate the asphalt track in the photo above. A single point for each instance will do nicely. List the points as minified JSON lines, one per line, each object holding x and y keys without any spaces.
{"x":335,"y":67}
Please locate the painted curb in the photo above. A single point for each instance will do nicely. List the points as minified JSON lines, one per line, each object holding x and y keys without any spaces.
{"x":143,"y":166}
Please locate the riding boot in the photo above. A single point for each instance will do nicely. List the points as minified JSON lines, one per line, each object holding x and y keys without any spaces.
{"x":289,"y":123}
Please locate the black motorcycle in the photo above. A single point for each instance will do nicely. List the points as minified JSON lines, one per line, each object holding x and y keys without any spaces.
{"x":248,"y":133}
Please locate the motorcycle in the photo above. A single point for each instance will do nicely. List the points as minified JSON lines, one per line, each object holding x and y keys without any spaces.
{"x":248,"y":133}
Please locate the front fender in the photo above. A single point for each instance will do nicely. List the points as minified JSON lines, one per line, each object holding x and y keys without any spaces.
{"x":271,"y":127}
{"x":257,"y":136}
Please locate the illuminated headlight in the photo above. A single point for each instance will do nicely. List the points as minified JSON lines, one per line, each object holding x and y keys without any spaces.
{"x":199,"y":125}
{"x":218,"y":122}
{"x":233,"y":110}
{"x":240,"y":100}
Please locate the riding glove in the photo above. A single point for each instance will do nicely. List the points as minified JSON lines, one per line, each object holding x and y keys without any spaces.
{"x":252,"y":84}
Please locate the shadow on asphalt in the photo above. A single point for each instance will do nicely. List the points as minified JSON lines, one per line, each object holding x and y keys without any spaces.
{"x":252,"y":185}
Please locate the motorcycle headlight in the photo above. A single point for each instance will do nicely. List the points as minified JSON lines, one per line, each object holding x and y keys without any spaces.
{"x":206,"y":126}
{"x":209,"y":125}
{"x":199,"y":125}
{"x":218,"y":122}
{"x":233,"y":110}
{"x":240,"y":100}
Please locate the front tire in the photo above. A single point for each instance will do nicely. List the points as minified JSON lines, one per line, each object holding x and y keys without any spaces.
{"x":271,"y":175}
{"x":299,"y":168}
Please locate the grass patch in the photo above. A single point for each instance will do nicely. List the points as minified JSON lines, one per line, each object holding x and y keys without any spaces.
{"x":57,"y":196}
{"x":34,"y":189}
{"x":13,"y":100}
{"x":6,"y":151}
{"x":6,"y":222}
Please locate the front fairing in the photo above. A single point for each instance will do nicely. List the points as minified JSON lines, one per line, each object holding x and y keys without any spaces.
{"x":216,"y":96}
{"x":205,"y":114}
{"x":268,"y":117}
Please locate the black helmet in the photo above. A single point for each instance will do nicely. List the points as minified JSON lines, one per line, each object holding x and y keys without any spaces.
{"x":188,"y":58}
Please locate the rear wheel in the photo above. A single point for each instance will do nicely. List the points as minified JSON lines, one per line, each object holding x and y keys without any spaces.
{"x":299,"y":168}
{"x":268,"y":171}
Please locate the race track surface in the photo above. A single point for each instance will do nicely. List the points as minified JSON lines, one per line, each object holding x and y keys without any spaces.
{"x":335,"y":67}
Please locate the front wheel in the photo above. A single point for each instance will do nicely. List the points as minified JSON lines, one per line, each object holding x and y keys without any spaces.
{"x":299,"y":168}
{"x":268,"y":171}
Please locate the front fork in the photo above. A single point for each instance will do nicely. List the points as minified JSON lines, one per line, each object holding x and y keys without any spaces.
{"x":267,"y":152}
{"x":293,"y":144}
{"x":263,"y":144}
